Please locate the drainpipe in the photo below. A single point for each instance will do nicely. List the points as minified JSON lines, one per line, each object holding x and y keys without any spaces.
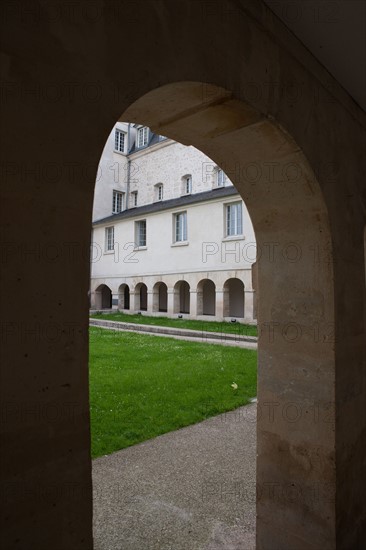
{"x":128,"y":170}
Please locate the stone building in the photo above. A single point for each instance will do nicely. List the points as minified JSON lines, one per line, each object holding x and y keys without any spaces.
{"x":171,"y":234}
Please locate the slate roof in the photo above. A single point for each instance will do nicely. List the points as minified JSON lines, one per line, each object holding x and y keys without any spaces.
{"x":185,"y":200}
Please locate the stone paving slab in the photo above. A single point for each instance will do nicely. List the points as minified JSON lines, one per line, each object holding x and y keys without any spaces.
{"x":192,"y":489}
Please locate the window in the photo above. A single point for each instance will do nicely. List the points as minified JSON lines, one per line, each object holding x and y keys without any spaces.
{"x":159,"y":192}
{"x":109,"y":238}
{"x":220,"y":177}
{"x":134,"y":198}
{"x":119,"y":141}
{"x":187,"y":185}
{"x":142,"y":136}
{"x":180,"y":221}
{"x":234,"y":219}
{"x":140,"y":233}
{"x":117,"y":202}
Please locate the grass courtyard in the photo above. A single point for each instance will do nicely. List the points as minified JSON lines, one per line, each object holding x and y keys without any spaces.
{"x":142,"y":386}
{"x":211,"y":326}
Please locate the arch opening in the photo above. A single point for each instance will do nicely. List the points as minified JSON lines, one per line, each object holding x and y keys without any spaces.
{"x":103,"y":297}
{"x":141,"y":297}
{"x":234,"y":298}
{"x":160,"y":297}
{"x":287,"y":209}
{"x":124,"y":297}
{"x":181,"y":297}
{"x":286,"y":206}
{"x":206,"y":297}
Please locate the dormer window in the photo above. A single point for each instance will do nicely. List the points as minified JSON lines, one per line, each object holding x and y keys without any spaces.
{"x":118,"y":202}
{"x":119,"y":141}
{"x":134,"y":198}
{"x":159,"y":192}
{"x":220,"y":177}
{"x":187,"y":184}
{"x":142,"y":136}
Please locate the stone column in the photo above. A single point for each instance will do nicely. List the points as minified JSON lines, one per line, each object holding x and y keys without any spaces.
{"x":134,"y":297}
{"x":150,"y":301}
{"x":170,"y":301}
{"x":248,"y":304}
{"x":98,"y":299}
{"x":219,"y":306}
{"x":193,"y":303}
{"x":93,"y":300}
{"x":115,"y":299}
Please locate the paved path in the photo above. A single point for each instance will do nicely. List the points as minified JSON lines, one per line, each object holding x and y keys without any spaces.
{"x":206,"y":337}
{"x":192,"y":489}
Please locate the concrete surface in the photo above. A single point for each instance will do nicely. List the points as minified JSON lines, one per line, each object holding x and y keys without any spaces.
{"x":192,"y":489}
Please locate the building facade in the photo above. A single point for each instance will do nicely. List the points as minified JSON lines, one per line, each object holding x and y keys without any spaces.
{"x":171,"y":234}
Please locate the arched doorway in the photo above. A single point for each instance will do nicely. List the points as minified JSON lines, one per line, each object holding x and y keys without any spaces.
{"x":181,"y":297}
{"x":103,"y":297}
{"x":234,"y":296}
{"x":141,"y":297}
{"x":124,"y":297}
{"x":160,"y":297}
{"x":206,"y":297}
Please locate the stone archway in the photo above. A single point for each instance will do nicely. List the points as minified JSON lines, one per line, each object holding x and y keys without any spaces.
{"x":283,"y":204}
{"x":299,"y":165}
{"x":181,"y":296}
{"x":103,"y":297}
{"x":206,"y":297}
{"x":141,"y":297}
{"x":124,"y":296}
{"x":234,"y":295}
{"x":160,"y":297}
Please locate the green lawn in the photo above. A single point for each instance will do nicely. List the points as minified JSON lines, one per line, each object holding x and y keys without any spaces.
{"x":142,"y":386}
{"x":212,"y":326}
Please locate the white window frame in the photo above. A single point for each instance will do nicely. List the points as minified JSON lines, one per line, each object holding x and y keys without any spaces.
{"x":140,"y":243}
{"x":234,"y":219}
{"x":220,"y":177}
{"x":109,"y":238}
{"x":187,"y":185}
{"x":159,"y":192}
{"x":134,"y":195}
{"x":144,"y":132}
{"x":119,"y":143}
{"x":118,"y":201}
{"x":180,"y":227}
